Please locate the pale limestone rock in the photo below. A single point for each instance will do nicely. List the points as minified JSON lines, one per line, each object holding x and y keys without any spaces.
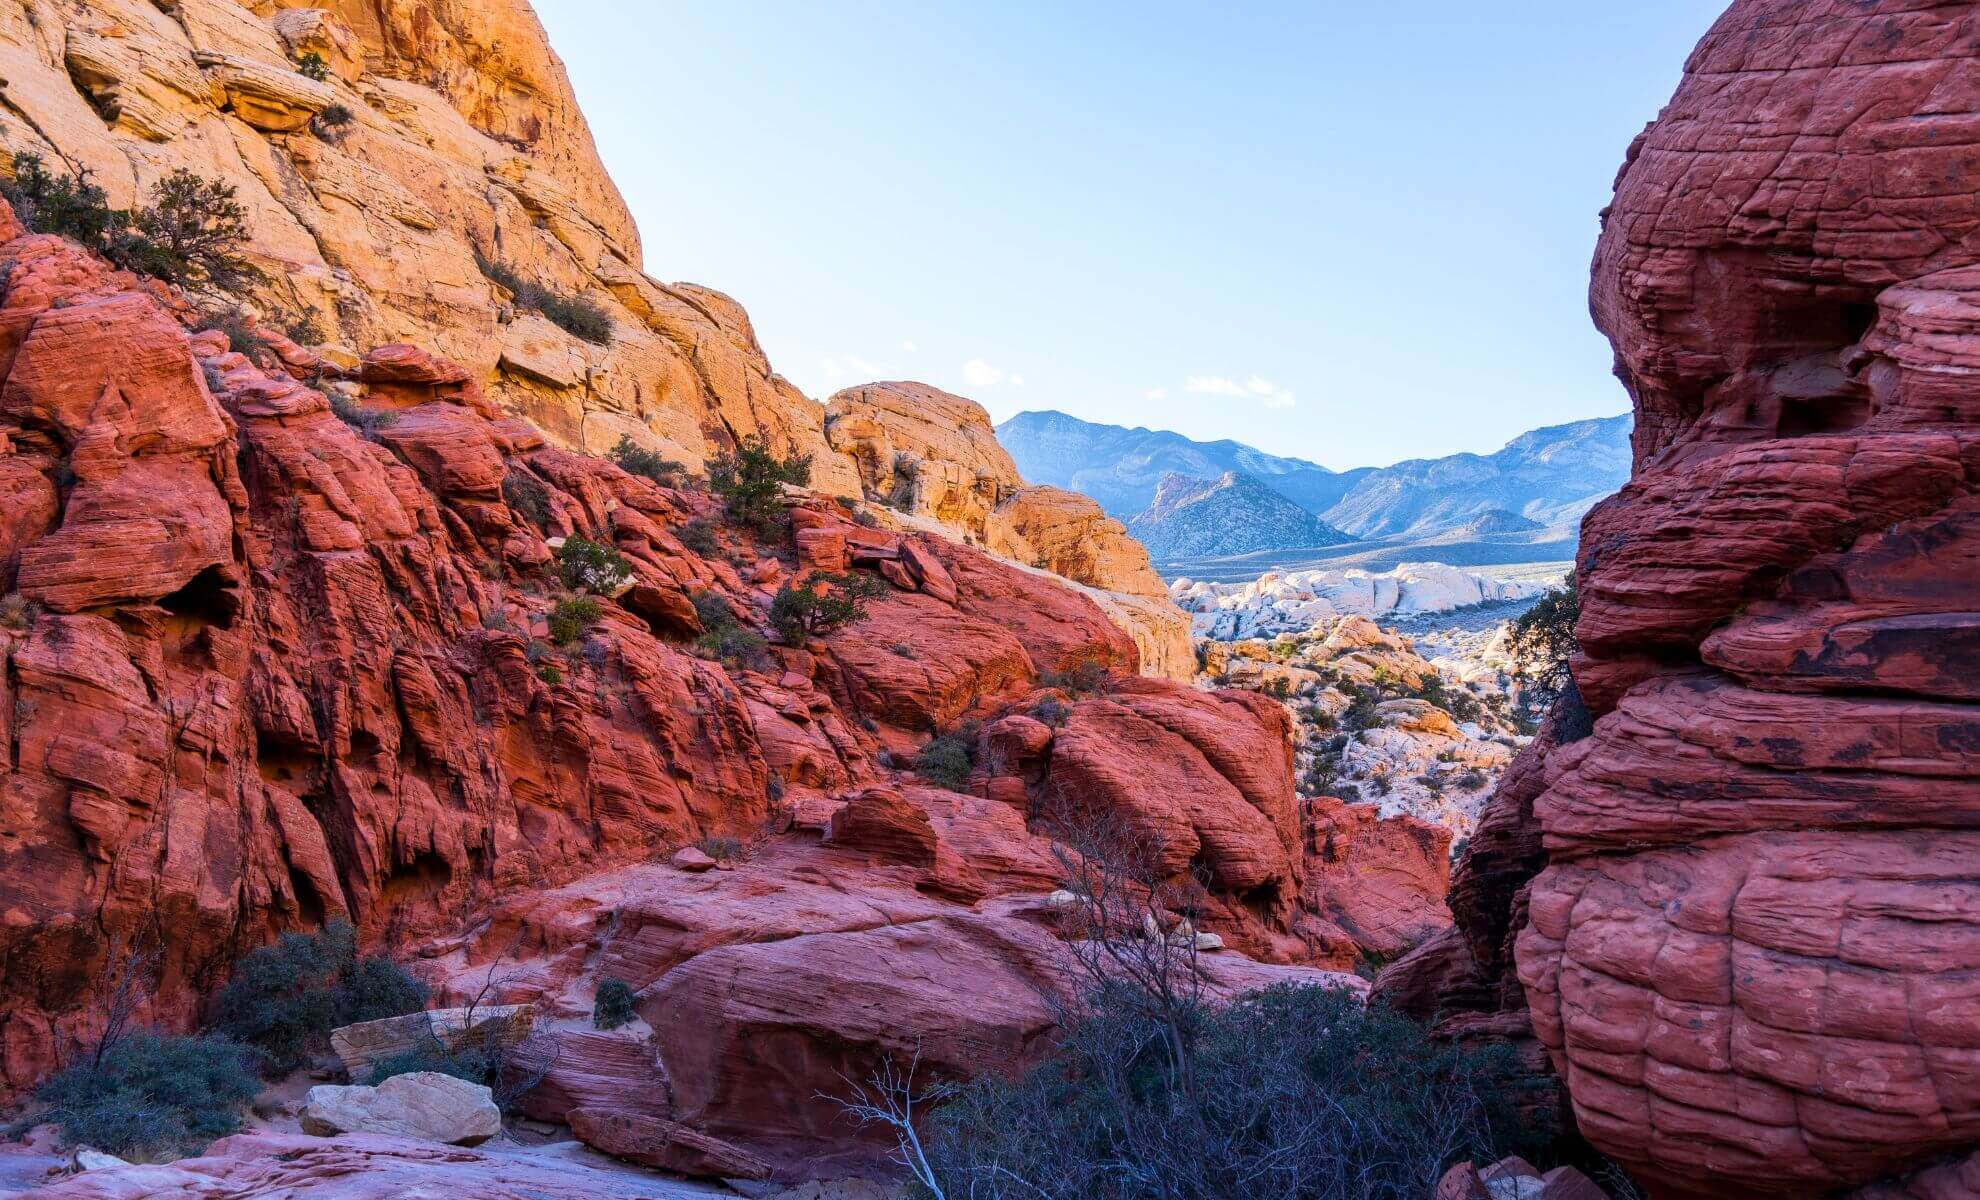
{"x":423,"y":1104}
{"x":360,"y":1045}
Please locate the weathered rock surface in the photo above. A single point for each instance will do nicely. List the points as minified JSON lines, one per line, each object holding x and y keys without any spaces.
{"x":371,"y":1167}
{"x":1752,"y":953}
{"x":424,"y":1105}
{"x":465,"y":140}
{"x":264,"y":670}
{"x":934,"y":456}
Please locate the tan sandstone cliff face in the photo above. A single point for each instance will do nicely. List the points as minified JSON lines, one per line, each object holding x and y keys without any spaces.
{"x":467,"y":144}
{"x":465,"y":139}
{"x":935,"y":455}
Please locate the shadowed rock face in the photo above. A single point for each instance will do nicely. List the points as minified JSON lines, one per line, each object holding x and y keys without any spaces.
{"x":1754,"y":953}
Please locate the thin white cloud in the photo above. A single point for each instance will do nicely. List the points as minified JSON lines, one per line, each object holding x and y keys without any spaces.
{"x":1270,"y":394}
{"x":1156,"y":393}
{"x":1213,"y":385}
{"x":977,"y":373}
{"x":1258,"y":388}
{"x":853,"y":368}
{"x":908,"y":347}
{"x":1017,"y":380}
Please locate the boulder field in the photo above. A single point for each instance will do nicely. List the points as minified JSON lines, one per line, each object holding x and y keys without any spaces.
{"x":264,"y":662}
{"x":1739,"y":907}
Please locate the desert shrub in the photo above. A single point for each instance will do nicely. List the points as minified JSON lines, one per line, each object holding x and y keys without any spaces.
{"x":575,"y":315}
{"x":946,"y":761}
{"x":284,"y":999}
{"x":1081,"y":679}
{"x":1362,"y":711}
{"x":234,"y":323}
{"x":1544,"y":641}
{"x":70,"y":206}
{"x":312,"y":65}
{"x":723,"y":637}
{"x":367,"y":421}
{"x":1052,"y":712}
{"x":527,"y":495}
{"x":1299,"y":1093}
{"x":304,"y":329}
{"x":571,"y":616}
{"x":17,"y":611}
{"x":822,"y":602}
{"x":152,"y":1095}
{"x":1471,"y":780}
{"x":636,"y":459}
{"x":1158,"y":1089}
{"x":191,"y":233}
{"x":721,"y":849}
{"x":332,"y":119}
{"x":491,"y":1053}
{"x":583,"y":565}
{"x":751,"y":482}
{"x":698,"y":535}
{"x":613,"y":1005}
{"x":550,"y":673}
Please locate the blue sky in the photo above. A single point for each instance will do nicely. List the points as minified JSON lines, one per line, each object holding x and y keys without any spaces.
{"x":1350,"y":232}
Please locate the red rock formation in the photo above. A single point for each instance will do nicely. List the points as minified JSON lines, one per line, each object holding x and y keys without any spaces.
{"x":260,"y":667}
{"x":1755,"y":954}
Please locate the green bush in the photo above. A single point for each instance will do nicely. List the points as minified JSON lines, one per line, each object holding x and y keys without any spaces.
{"x":312,"y":65}
{"x":946,"y":761}
{"x":575,"y":315}
{"x":613,"y":1006}
{"x":1296,"y":1093}
{"x":527,"y":495}
{"x":191,"y":233}
{"x":751,"y":483}
{"x":583,"y":565}
{"x":723,"y":638}
{"x":234,"y":323}
{"x":152,"y":1095}
{"x":721,"y":849}
{"x":1544,"y":642}
{"x":699,"y":536}
{"x":367,"y":421}
{"x":1081,"y":679}
{"x":571,"y":617}
{"x":467,"y":1061}
{"x":333,"y":118}
{"x":822,"y":602}
{"x":284,"y":999}
{"x":635,"y":459}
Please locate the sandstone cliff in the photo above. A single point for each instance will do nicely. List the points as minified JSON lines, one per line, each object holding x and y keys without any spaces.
{"x":463,"y":143}
{"x":932,"y":455}
{"x":1750,"y":947}
{"x":462,"y":157}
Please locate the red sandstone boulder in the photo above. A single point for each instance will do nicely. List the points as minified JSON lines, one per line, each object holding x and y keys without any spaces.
{"x":1753,"y":953}
{"x":739,"y":1025}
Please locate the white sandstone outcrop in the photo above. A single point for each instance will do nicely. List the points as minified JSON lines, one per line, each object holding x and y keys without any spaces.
{"x":1277,"y":603}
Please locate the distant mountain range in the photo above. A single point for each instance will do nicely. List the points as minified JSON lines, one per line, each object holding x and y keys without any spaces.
{"x":1543,"y":480}
{"x":1232,"y":514}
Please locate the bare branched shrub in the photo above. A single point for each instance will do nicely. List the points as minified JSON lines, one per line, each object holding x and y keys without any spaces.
{"x":1161,"y":1090}
{"x":892,"y":1100}
{"x":487,"y":1049}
